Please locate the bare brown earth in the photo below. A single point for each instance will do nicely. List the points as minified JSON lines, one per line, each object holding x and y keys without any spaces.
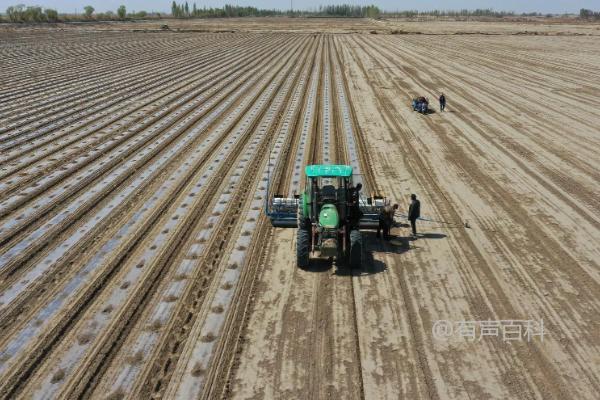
{"x":136,"y":260}
{"x":566,"y":26}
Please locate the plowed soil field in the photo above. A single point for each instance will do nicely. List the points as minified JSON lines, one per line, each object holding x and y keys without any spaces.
{"x":136,"y":260}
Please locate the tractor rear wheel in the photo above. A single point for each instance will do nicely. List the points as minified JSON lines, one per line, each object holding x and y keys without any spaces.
{"x":355,"y":249}
{"x":303,"y":248}
{"x":341,"y":260}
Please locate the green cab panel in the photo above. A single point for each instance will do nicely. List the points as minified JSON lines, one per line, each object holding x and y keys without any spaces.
{"x":328,"y":217}
{"x":328,"y":171}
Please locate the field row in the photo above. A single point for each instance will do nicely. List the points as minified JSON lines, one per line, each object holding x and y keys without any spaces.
{"x":132,"y":201}
{"x":136,"y":260}
{"x":515,"y":156}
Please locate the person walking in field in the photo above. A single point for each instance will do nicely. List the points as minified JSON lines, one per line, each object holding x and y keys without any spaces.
{"x":386,"y":220}
{"x":442,"y":102}
{"x":414,"y":212}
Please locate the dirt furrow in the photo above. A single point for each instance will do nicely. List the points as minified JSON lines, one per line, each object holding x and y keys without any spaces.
{"x":150,"y":270}
{"x":137,"y":261}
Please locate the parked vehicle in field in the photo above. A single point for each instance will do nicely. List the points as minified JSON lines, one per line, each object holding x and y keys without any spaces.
{"x":420,"y":104}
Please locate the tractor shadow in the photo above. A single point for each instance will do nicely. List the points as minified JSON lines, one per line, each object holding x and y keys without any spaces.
{"x":371,"y":245}
{"x":319,"y":265}
{"x":395,"y":245}
{"x":430,"y":236}
{"x":428,"y":112}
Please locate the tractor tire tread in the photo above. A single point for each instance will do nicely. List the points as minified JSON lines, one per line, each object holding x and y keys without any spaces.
{"x":355,"y":249}
{"x":303,"y":248}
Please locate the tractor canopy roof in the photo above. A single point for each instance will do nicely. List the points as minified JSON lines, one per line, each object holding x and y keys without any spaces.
{"x":327,"y":171}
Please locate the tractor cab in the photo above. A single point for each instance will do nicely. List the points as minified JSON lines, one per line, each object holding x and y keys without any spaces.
{"x":326,"y":194}
{"x":327,"y":214}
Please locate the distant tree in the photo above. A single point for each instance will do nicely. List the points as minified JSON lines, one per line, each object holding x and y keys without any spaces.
{"x":11,"y":13}
{"x":51,"y":14}
{"x":34,"y":14}
{"x":347,"y":10}
{"x":16,"y":13}
{"x":183,"y":11}
{"x":589,"y":14}
{"x":122,"y":11}
{"x":88,"y":11}
{"x":180,"y":10}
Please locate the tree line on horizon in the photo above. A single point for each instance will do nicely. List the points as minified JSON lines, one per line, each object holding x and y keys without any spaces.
{"x":21,"y":13}
{"x":589,"y":14}
{"x":184,"y":10}
{"x":481,"y":12}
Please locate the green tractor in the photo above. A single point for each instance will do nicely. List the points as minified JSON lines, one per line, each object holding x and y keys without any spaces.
{"x":328,"y":215}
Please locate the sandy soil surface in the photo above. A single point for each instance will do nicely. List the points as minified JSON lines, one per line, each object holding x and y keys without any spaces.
{"x":267,"y":24}
{"x":136,"y":260}
{"x":538,"y":26}
{"x":515,"y":155}
{"x":423,"y":25}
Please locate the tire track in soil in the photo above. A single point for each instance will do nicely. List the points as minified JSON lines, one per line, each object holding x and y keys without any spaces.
{"x":338,"y":309}
{"x":417,"y":167}
{"x":48,"y":134}
{"x":177,"y":116}
{"x":556,"y":154}
{"x":530,"y":233}
{"x":113,"y":128}
{"x":93,"y":82}
{"x":226,"y":358}
{"x":131,"y":321}
{"x":214,"y":255}
{"x":539,"y":358}
{"x":232,"y":345}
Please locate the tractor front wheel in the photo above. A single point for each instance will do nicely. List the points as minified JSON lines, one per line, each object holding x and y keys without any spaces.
{"x":355,"y":249}
{"x":303,"y":248}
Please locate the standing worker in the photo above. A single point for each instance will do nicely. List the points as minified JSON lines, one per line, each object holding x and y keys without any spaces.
{"x":414,"y":212}
{"x":355,"y":213}
{"x":355,"y":193}
{"x":386,"y":220}
{"x":442,"y":102}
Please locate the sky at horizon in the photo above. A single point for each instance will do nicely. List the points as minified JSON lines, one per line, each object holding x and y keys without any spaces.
{"x":548,"y":6}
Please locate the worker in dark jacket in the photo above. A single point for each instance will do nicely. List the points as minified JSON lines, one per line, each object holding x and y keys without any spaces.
{"x":414,"y":212}
{"x":442,"y":102}
{"x":386,"y":220}
{"x":355,"y":193}
{"x":354,"y":206}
